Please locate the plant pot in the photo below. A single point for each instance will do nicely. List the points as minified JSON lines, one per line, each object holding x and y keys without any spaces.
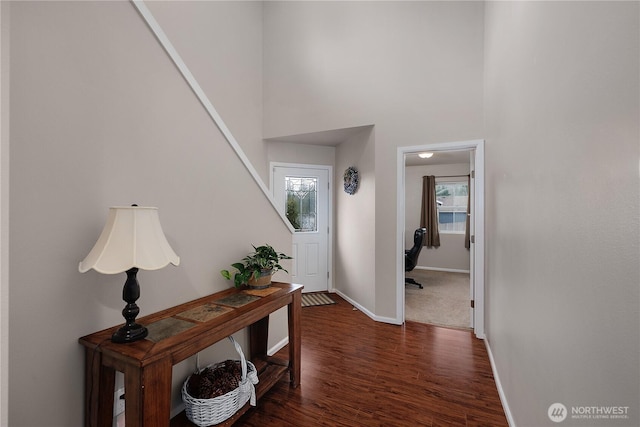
{"x":262,"y":282}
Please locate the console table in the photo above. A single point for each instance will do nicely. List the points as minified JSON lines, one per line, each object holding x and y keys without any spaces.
{"x":176,"y":334}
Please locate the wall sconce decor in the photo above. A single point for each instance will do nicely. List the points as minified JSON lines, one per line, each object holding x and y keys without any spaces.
{"x":132,"y":239}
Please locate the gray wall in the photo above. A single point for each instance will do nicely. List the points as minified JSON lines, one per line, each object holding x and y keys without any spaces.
{"x":563,"y":205}
{"x":412,"y":69}
{"x":4,"y":216}
{"x":101,"y":117}
{"x":355,"y":242}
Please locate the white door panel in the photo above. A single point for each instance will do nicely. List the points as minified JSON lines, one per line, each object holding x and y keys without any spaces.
{"x":313,"y":259}
{"x":303,"y":195}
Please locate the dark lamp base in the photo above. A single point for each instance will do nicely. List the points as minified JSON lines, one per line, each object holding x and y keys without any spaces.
{"x":129,"y":333}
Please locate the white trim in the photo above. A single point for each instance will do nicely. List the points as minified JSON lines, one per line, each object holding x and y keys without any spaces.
{"x":329,"y":169}
{"x":449,"y":270}
{"x":501,"y":393}
{"x":478,"y":279}
{"x":479,"y":265}
{"x":278,"y":346}
{"x":400,"y":224}
{"x":366,"y":311}
{"x":204,"y":100}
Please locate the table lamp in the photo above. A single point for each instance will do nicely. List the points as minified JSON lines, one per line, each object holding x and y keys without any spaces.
{"x":132,"y":239}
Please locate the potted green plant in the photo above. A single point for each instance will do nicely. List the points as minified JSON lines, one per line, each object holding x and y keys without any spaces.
{"x":257,"y":268}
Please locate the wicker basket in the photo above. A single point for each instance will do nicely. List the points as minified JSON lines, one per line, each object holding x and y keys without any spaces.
{"x":206,"y":412}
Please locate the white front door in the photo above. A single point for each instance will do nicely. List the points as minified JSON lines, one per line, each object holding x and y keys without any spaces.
{"x":302,"y":193}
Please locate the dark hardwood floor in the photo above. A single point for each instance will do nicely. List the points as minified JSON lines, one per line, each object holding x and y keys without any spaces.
{"x":357,"y":372}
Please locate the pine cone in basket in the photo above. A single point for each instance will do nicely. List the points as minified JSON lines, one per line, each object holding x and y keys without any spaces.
{"x":215,"y":381}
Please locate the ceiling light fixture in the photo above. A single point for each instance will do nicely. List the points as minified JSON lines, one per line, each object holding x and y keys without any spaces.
{"x":425,"y":155}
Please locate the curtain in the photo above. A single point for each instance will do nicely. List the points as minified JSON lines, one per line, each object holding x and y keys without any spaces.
{"x":429,"y":212}
{"x":467,"y":241}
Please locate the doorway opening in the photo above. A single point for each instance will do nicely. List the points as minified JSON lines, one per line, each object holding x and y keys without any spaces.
{"x":474,"y":152}
{"x":442,"y":271}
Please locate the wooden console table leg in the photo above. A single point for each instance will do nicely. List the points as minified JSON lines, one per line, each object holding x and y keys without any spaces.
{"x":99,"y":388}
{"x":295,"y":344}
{"x":147,"y":394}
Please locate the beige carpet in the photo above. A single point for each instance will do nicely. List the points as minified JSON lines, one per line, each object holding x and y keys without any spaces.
{"x":444,"y":301}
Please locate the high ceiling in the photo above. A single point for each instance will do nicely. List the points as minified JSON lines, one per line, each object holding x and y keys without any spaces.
{"x":332,"y":137}
{"x":337,"y":136}
{"x":439,"y":158}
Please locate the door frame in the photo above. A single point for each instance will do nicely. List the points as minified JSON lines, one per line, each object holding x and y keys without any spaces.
{"x":329,"y":169}
{"x":477,"y":261}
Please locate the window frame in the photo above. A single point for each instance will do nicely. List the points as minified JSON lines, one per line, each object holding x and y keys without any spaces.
{"x":452,"y":181}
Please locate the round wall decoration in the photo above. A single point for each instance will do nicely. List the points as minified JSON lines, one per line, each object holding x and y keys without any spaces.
{"x":351,"y":180}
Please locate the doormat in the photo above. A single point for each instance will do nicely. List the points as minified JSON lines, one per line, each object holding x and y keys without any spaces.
{"x":309,"y":300}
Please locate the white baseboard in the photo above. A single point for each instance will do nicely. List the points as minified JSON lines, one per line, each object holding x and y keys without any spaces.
{"x":369,"y":313}
{"x":503,"y":398}
{"x":450,"y":270}
{"x":279,"y":345}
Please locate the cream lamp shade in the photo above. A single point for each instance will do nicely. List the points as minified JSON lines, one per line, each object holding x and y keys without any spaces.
{"x":132,"y":239}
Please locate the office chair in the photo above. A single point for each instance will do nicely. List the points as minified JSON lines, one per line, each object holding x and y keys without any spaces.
{"x":411,"y":255}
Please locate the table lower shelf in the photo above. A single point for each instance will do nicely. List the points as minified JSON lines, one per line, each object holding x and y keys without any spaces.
{"x":269,"y":373}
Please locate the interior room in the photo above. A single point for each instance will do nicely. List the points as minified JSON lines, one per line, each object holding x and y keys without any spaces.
{"x":443,"y":271}
{"x":187,"y":106}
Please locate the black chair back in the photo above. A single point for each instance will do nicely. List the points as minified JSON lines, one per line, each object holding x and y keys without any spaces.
{"x":411,"y":256}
